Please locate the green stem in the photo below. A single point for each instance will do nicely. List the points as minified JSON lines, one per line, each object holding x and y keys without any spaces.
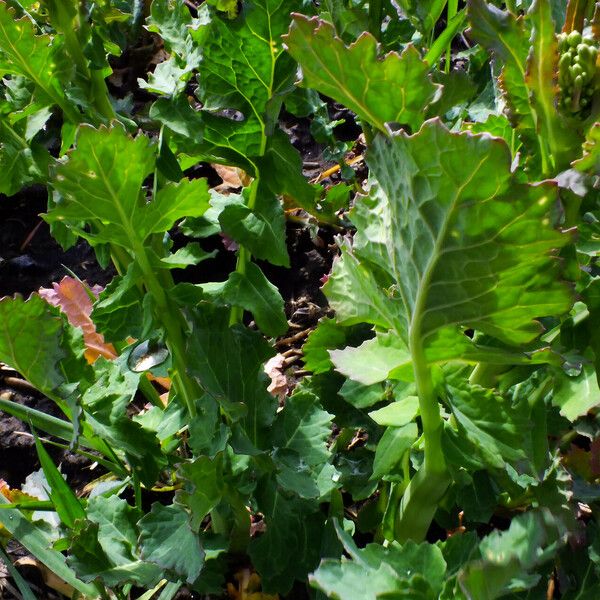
{"x":244,"y":256}
{"x":172,"y":321}
{"x":98,"y":92}
{"x":137,"y":490}
{"x":375,"y":18}
{"x":452,"y":8}
{"x":426,"y":489}
{"x":539,"y":433}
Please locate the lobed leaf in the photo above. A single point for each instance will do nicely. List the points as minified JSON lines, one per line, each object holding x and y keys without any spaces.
{"x":98,"y":186}
{"x":167,"y":540}
{"x":37,"y":57}
{"x":467,"y":244}
{"x":395,"y":89}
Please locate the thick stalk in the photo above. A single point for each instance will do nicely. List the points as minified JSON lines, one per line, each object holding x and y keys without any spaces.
{"x":171,"y":319}
{"x":98,"y":93}
{"x":428,"y":486}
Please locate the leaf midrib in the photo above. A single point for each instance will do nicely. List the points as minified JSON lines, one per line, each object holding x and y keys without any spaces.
{"x":415,"y":320}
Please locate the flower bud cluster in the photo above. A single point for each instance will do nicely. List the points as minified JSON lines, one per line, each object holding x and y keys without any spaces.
{"x":577,"y":72}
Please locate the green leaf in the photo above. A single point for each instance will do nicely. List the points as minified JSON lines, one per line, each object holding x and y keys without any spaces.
{"x":261,"y":230}
{"x":106,"y":403}
{"x":531,"y":540}
{"x":527,"y":51}
{"x":482,"y":254}
{"x":576,"y":396}
{"x":397,"y":414}
{"x":39,"y":542}
{"x":117,"y":531}
{"x":291,"y":523}
{"x":172,"y":21}
{"x":98,"y":187}
{"x":228,"y":363}
{"x":117,"y":313}
{"x":191,"y":254}
{"x":408,"y":571}
{"x":304,"y":427}
{"x":167,"y":540}
{"x":300,"y":435}
{"x":20,"y":163}
{"x":228,"y":6}
{"x":202,"y":487}
{"x":281,"y":172}
{"x":492,"y":425}
{"x":373,"y":360}
{"x":590,"y":161}
{"x":395,"y":89}
{"x":392,"y":446}
{"x":356,"y":296}
{"x":62,"y":496}
{"x":39,"y":58}
{"x":327,"y":335}
{"x":255,"y":293}
{"x":31,"y":334}
{"x":243,"y":68}
{"x":244,"y":65}
{"x":501,"y":33}
{"x":425,"y":12}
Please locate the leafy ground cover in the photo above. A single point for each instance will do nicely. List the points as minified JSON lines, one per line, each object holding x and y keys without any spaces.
{"x":327,"y":325}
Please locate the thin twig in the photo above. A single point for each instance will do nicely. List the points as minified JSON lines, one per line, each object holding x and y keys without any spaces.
{"x":292,"y":338}
{"x":19,"y":383}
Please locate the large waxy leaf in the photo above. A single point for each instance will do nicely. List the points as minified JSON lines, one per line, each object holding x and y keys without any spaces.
{"x":394,"y":89}
{"x":465,"y":243}
{"x":101,"y":184}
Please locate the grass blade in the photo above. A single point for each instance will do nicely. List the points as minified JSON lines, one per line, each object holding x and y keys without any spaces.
{"x":39,"y":543}
{"x":64,"y":499}
{"x":20,"y":582}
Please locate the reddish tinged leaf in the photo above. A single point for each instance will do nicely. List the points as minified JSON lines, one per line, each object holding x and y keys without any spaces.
{"x":72,"y":297}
